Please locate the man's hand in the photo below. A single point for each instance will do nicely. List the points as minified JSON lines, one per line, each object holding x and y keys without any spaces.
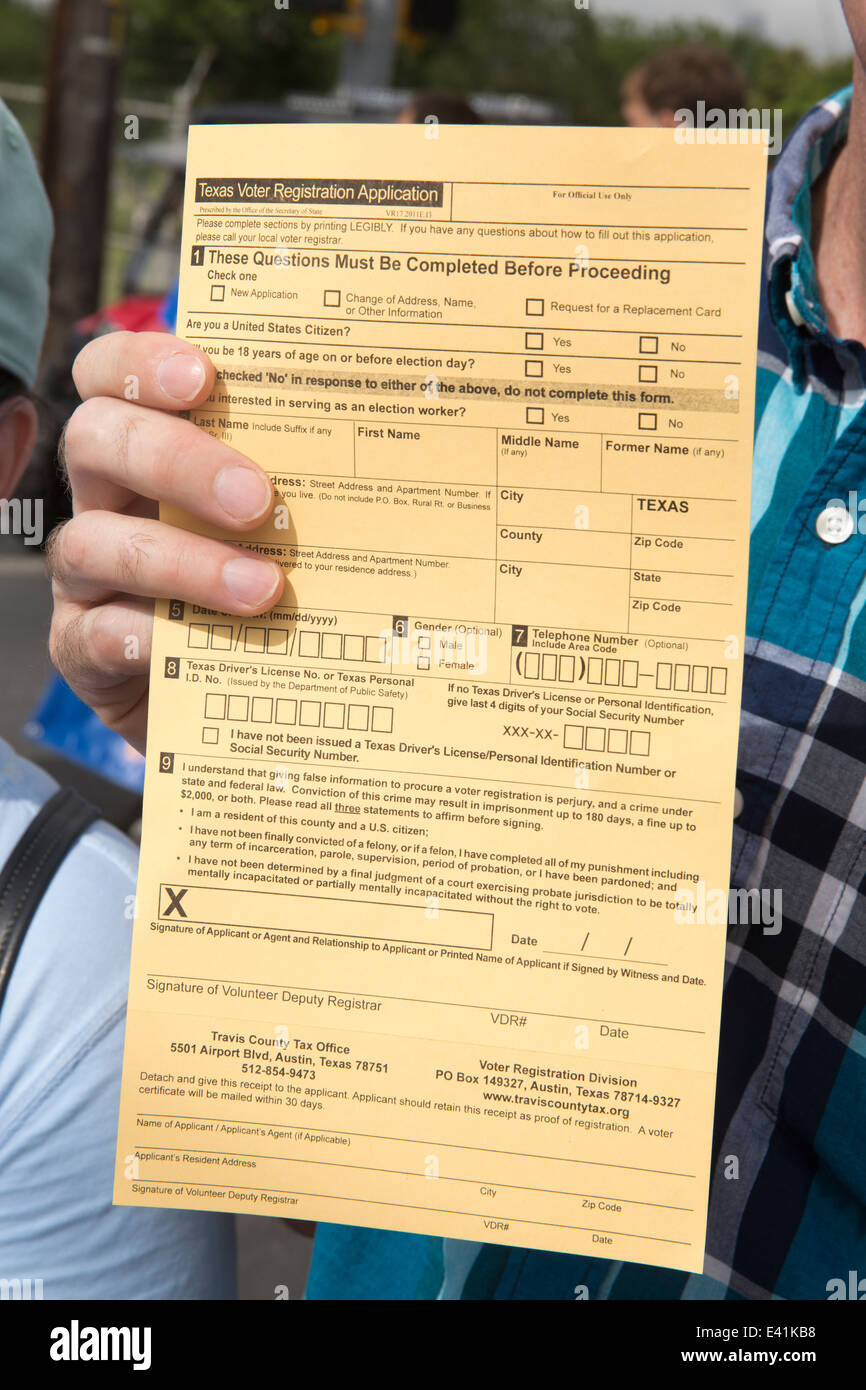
{"x":114,"y":557}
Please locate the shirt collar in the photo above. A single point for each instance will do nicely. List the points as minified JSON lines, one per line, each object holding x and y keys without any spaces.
{"x":794,"y":297}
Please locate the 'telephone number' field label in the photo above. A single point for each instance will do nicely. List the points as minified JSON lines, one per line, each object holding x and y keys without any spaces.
{"x":433,"y":887}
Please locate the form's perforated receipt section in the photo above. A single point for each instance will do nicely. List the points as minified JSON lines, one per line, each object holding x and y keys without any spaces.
{"x":432,"y":905}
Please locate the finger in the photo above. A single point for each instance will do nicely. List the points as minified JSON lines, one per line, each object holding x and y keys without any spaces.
{"x":101,"y":554}
{"x":115,"y":453}
{"x":103,"y":653}
{"x":101,"y":645}
{"x":153,"y":369}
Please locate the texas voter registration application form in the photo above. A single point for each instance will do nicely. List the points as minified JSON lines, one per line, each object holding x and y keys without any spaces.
{"x":431,"y":910}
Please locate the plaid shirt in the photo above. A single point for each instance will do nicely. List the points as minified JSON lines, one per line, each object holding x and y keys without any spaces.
{"x":789,"y":1215}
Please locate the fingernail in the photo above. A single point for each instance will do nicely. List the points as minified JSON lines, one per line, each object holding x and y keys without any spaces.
{"x":241,"y":492}
{"x":181,"y":375}
{"x":250,"y":581}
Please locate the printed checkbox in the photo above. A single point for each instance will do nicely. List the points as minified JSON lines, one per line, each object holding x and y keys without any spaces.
{"x":535,"y":415}
{"x":383,"y":719}
{"x":214,"y":706}
{"x":535,"y":308}
{"x":649,"y":343}
{"x":217,"y":293}
{"x":332,"y":299}
{"x":647,"y":372}
{"x":534,"y":367}
{"x":287,"y":711}
{"x":359,"y":717}
{"x":423,"y":662}
{"x":534,"y":341}
{"x":335,"y":715}
{"x":646,"y":420}
{"x":210,"y":735}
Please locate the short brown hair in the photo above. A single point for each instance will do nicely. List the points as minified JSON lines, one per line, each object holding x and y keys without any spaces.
{"x":676,"y":79}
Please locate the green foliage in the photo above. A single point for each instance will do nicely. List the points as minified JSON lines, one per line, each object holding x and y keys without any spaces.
{"x":262,"y":52}
{"x":23,"y":42}
{"x":542,"y":48}
{"x":568,"y":57}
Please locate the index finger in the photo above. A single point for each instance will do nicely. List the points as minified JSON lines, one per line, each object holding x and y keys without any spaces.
{"x":154,"y":369}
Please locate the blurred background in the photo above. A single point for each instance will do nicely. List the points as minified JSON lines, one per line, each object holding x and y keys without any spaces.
{"x":106,"y":90}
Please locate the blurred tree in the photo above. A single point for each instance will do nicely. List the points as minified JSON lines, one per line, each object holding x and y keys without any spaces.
{"x":24,"y":41}
{"x":545,"y":49}
{"x":567,"y":56}
{"x":262,"y":52}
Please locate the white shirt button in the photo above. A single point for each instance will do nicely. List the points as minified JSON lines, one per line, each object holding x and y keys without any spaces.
{"x":739,"y":803}
{"x":834,"y":525}
{"x":796,"y":316}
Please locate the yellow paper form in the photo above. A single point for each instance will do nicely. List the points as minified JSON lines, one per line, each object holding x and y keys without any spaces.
{"x":431,"y":911}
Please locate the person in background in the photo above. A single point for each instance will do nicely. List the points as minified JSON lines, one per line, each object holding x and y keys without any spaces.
{"x":678,"y":79}
{"x":63,"y":1011}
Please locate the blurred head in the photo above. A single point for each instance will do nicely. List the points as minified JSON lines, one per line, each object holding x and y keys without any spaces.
{"x":25,"y":244}
{"x":676,"y":79}
{"x":449,"y":108}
